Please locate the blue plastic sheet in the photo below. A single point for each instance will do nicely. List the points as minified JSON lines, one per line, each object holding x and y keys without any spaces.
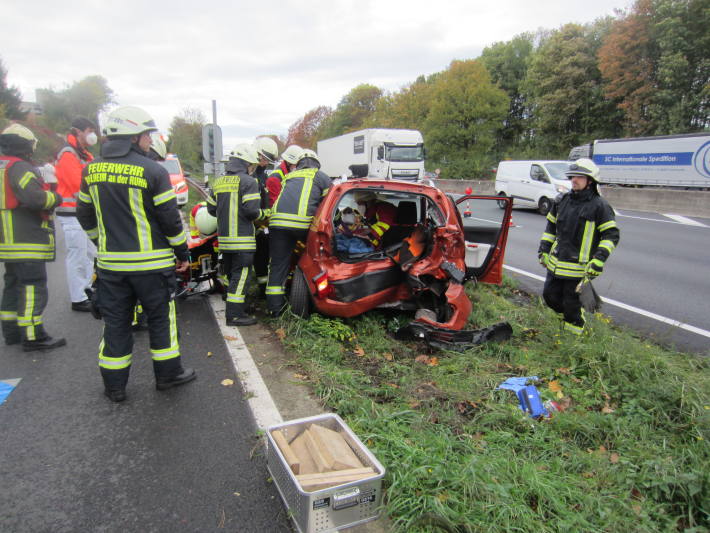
{"x":515,"y":384}
{"x":6,"y":387}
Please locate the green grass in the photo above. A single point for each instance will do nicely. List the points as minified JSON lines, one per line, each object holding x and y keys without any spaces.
{"x":629,"y":453}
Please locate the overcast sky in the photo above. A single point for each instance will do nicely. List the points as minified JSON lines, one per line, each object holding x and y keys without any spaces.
{"x":265,"y":62}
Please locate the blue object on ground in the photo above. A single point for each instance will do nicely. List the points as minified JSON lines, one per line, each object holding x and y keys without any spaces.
{"x":515,"y":384}
{"x":531,"y":403}
{"x":352,"y":245}
{"x":6,"y":387}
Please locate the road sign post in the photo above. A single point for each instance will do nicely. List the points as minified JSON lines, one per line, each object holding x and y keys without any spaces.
{"x":212,"y":143}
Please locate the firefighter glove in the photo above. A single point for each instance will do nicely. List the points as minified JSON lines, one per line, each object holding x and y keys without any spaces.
{"x":594,"y":268}
{"x":542,"y":257}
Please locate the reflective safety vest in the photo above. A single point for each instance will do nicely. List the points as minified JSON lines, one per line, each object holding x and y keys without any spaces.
{"x":128,"y":207}
{"x":580,"y":228}
{"x":26,"y":228}
{"x":301,"y":193}
{"x":70,"y":162}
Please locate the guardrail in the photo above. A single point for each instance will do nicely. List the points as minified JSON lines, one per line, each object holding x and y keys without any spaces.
{"x":687,"y":203}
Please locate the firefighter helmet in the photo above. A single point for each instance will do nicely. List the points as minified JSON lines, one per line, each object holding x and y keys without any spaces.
{"x":309,"y":154}
{"x":18,"y":135}
{"x":158,"y":145}
{"x":584,"y":167}
{"x":245,"y":152}
{"x":205,"y":223}
{"x":129,"y":120}
{"x":292,"y":154}
{"x":266,"y":146}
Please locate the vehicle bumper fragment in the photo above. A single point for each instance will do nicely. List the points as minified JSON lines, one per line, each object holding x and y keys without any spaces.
{"x":459,"y":341}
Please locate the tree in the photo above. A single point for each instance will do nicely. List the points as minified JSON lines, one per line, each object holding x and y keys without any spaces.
{"x":185,"y":137}
{"x":565,"y":88}
{"x":466,"y":112}
{"x":406,"y":109}
{"x":351,"y":112}
{"x":10,"y":98}
{"x":303,"y":131}
{"x":507,"y":63}
{"x":86,"y":97}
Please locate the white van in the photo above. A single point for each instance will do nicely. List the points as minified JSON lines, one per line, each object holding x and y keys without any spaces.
{"x":532,"y":184}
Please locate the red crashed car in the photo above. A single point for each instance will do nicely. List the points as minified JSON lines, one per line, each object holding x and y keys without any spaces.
{"x":421,"y":263}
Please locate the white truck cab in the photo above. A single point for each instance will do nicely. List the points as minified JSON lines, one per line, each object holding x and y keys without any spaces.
{"x":532,"y":184}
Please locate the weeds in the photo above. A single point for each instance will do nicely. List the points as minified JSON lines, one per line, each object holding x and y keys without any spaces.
{"x":629,"y":452}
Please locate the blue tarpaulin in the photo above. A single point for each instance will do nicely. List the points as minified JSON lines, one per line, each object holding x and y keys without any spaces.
{"x":6,"y":387}
{"x":515,"y":384}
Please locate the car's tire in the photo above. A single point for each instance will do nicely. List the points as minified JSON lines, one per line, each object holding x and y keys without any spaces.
{"x":544,"y":206}
{"x":300,"y":297}
{"x":502,"y":205}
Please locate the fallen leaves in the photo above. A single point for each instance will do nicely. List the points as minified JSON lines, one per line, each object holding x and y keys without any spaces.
{"x":230,"y":338}
{"x":425,"y":359}
{"x":359,"y":351}
{"x":227,"y":382}
{"x":209,"y":354}
{"x":281,"y":333}
{"x":388,"y":356}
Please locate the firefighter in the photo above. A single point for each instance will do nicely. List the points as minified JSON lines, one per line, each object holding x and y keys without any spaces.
{"x":301,"y":194}
{"x":128,"y":207}
{"x":26,"y":241}
{"x":81,"y":252}
{"x":378,"y":216}
{"x":268,"y":152}
{"x":581,"y":232}
{"x":158,"y":151}
{"x":237,"y":206}
{"x":289,"y":159}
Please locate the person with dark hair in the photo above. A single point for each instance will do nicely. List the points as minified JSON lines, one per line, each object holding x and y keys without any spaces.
{"x":580,"y":235}
{"x":81,"y":252}
{"x":128,"y":207}
{"x":26,"y":242}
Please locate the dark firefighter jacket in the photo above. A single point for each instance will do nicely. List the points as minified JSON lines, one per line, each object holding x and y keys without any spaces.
{"x":301,"y":193}
{"x":26,"y":228}
{"x":236,"y":207}
{"x":127,"y":206}
{"x":580,"y":227}
{"x":71,"y":160}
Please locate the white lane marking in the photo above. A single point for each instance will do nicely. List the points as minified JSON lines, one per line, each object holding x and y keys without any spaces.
{"x":685,"y":220}
{"x":646,"y":218}
{"x":260,"y":401}
{"x":648,"y":314}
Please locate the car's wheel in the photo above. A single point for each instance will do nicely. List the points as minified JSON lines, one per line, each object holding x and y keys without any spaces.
{"x":544,"y":206}
{"x":502,"y":204}
{"x":300,"y":297}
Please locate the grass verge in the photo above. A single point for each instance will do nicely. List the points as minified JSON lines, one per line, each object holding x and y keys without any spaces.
{"x":630,"y":451}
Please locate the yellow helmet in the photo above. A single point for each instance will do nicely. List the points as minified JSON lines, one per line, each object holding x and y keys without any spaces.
{"x":584,"y":167}
{"x":292,"y":154}
{"x":129,"y":120}
{"x":158,"y":145}
{"x":22,"y":133}
{"x":206,"y":223}
{"x":245,"y":152}
{"x":267,"y":147}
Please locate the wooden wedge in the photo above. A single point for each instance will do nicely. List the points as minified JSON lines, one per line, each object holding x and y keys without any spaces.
{"x":313,"y":482}
{"x":291,"y":458}
{"x":343,"y":457}
{"x":300,"y":448}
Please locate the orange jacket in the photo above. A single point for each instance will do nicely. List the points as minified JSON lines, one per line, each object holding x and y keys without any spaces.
{"x":71,"y":160}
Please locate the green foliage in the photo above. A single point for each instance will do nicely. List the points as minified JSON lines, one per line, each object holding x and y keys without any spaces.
{"x":303,"y":132}
{"x":86,"y":98}
{"x":351,"y":112}
{"x":406,"y":109}
{"x":465,"y":115}
{"x":10,"y":98}
{"x":185,"y":138}
{"x":629,"y":452}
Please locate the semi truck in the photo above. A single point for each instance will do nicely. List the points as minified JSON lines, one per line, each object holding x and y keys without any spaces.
{"x":374,"y":153}
{"x":679,"y":161}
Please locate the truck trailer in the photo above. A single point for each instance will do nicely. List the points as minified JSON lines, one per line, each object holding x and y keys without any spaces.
{"x":681,"y":161}
{"x":374,"y":153}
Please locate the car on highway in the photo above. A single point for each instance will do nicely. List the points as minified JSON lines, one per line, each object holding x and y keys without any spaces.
{"x":177,"y":177}
{"x":421,"y":263}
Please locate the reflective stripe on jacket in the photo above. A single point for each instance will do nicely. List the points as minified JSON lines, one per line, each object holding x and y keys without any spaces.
{"x":580,"y":227}
{"x":71,"y":160}
{"x":236,"y":206}
{"x":301,"y":193}
{"x":26,"y":230}
{"x":127,"y":205}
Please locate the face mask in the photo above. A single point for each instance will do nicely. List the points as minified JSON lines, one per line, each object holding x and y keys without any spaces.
{"x":91,"y":138}
{"x":348,"y":218}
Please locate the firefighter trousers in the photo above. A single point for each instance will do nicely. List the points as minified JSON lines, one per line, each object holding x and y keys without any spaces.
{"x":237,"y":266}
{"x":117,"y":295}
{"x":561,"y":296}
{"x":24,"y":297}
{"x":282,"y":242}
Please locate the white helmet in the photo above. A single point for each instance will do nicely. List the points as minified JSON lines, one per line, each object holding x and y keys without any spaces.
{"x":292,"y":154}
{"x":584,"y":167}
{"x":267,"y":147}
{"x":245,"y":152}
{"x":206,"y":223}
{"x":310,"y":154}
{"x":129,"y":120}
{"x":22,"y":132}
{"x":158,"y":145}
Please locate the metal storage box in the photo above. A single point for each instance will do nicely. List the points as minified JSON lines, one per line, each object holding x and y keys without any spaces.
{"x":333,"y":508}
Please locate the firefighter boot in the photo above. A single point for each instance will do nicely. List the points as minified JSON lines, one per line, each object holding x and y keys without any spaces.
{"x":185,"y":376}
{"x":237,"y":315}
{"x":44,"y":344}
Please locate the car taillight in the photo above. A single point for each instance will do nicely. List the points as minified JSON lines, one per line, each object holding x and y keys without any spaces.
{"x":323,"y":286}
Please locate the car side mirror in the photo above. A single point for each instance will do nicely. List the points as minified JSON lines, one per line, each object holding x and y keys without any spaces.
{"x":380,"y":153}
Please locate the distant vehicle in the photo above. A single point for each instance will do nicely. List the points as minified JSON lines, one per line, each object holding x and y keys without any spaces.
{"x":177,"y":177}
{"x":421,"y":265}
{"x":429,"y":178}
{"x":531,"y":184}
{"x":374,"y":153}
{"x":664,"y":161}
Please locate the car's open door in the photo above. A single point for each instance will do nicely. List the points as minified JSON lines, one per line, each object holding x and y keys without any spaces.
{"x":485,"y":221}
